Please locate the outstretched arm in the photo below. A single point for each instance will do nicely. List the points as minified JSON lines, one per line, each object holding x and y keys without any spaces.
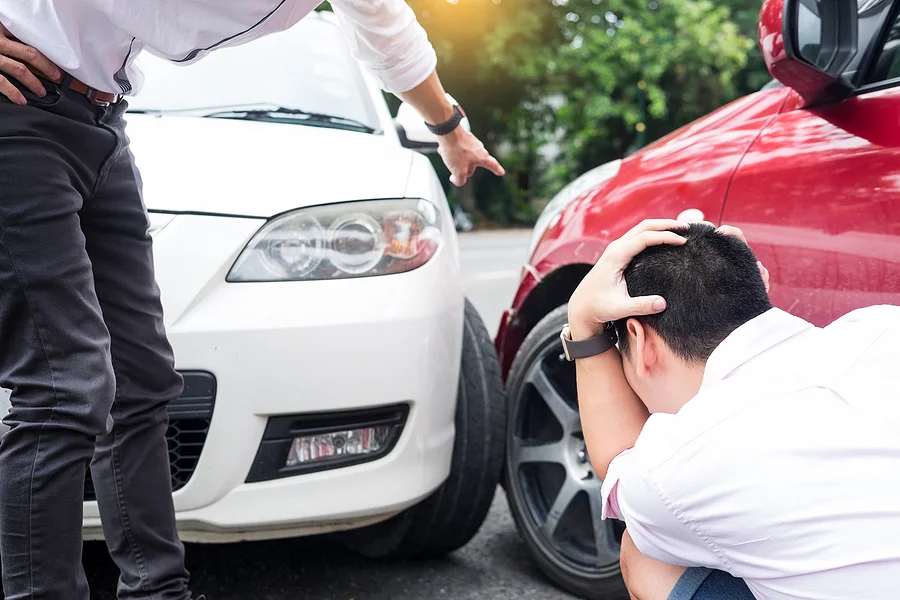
{"x":462,"y":152}
{"x":385,"y":36}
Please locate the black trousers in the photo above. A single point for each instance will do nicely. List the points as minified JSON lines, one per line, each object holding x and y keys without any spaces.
{"x":84,"y":351}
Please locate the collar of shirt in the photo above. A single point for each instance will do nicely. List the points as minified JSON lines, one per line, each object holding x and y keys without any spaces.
{"x":750,"y":340}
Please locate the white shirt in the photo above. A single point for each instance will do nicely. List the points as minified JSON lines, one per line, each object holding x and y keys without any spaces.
{"x":97,"y":41}
{"x":784,"y":470}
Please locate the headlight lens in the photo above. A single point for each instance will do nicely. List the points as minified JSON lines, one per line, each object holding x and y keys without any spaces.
{"x":359,"y":239}
{"x":567,"y":195}
{"x":294,"y":250}
{"x":356,"y":243}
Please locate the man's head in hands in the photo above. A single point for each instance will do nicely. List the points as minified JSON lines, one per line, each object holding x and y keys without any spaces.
{"x":712,"y":284}
{"x":675,"y":292}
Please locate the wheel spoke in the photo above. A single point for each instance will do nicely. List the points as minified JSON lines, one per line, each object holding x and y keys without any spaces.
{"x":561,"y":504}
{"x":604,"y":532}
{"x":540,"y":453}
{"x":565,"y":414}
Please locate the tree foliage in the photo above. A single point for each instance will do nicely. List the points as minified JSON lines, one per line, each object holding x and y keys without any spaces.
{"x":556,"y":87}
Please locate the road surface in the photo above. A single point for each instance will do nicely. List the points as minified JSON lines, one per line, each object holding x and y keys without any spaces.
{"x":494,"y":566}
{"x":491,"y":264}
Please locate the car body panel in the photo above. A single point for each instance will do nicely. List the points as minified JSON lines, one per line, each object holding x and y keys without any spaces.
{"x":230,"y":167}
{"x":818,"y":197}
{"x":690,"y":170}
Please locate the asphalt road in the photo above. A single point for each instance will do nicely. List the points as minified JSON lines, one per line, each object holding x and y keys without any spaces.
{"x":491,"y":264}
{"x":493,"y":566}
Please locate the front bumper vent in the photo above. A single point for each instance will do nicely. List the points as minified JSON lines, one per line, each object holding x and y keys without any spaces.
{"x":190,"y":416}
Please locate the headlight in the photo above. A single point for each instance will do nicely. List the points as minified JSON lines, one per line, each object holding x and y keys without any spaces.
{"x":579,"y":186}
{"x":358,"y":239}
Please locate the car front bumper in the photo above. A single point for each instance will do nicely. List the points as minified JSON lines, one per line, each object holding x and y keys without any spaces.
{"x":306,"y":347}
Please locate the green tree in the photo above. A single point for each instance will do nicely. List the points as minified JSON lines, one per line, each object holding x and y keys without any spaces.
{"x":626,"y":70}
{"x":745,"y":14}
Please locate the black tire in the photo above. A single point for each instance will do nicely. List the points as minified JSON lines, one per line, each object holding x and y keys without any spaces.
{"x":553,"y":493}
{"x":453,"y":514}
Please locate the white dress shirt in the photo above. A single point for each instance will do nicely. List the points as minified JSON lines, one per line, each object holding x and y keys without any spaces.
{"x":784,"y":470}
{"x":97,"y":41}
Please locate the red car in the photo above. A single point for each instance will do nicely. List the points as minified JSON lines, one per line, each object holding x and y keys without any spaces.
{"x":809,"y":169}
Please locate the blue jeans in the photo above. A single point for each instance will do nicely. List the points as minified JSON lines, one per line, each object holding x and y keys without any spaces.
{"x":707,"y":584}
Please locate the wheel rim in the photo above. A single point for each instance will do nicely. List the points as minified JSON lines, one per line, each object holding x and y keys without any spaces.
{"x":551,"y":470}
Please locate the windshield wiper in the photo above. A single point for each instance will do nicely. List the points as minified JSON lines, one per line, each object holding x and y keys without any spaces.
{"x":278,"y":113}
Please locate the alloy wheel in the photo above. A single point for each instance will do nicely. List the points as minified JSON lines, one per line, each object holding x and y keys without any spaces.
{"x":550,"y":464}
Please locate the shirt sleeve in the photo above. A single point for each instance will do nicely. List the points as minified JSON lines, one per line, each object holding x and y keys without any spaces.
{"x":386,"y":37}
{"x":629,"y":495}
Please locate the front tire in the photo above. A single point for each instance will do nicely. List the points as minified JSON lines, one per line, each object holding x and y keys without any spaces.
{"x":452,"y":515}
{"x":553,"y":492}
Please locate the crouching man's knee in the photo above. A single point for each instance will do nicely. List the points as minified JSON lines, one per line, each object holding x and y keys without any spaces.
{"x":646,"y":578}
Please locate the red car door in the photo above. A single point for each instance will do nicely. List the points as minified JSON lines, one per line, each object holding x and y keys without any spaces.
{"x":818,"y":197}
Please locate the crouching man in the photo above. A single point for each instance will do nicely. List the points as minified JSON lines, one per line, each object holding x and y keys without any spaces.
{"x":750,"y":453}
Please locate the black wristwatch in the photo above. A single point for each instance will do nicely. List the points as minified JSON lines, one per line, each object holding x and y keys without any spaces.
{"x":589,"y":347}
{"x":449,"y":126}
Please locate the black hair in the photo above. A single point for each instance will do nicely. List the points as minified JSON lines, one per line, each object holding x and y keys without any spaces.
{"x":712,"y":286}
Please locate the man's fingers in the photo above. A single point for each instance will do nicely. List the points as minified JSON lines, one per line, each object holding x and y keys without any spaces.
{"x":460,"y":177}
{"x":655,"y":225}
{"x":30,"y":56}
{"x":733,"y":232}
{"x":644,"y":305}
{"x":11,"y":91}
{"x":21,"y":73}
{"x":764,"y":273}
{"x":631,"y":247}
{"x":493,"y":165}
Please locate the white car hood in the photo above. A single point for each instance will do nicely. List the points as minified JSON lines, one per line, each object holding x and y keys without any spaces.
{"x":229,"y":167}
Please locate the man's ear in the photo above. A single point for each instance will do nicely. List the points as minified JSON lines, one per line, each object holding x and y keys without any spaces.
{"x":644,"y":354}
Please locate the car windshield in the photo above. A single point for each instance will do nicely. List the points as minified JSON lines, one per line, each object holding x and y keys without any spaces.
{"x":306,"y":70}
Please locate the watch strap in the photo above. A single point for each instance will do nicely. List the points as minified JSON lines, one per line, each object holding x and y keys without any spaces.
{"x":592,"y":346}
{"x":450,"y":125}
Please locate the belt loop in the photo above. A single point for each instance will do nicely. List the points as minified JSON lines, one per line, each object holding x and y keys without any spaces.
{"x":65,"y":83}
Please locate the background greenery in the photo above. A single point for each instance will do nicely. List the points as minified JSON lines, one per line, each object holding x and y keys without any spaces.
{"x":556,"y":87}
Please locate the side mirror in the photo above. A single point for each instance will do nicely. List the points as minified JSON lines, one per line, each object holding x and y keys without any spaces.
{"x":412,"y":131}
{"x":808,"y":44}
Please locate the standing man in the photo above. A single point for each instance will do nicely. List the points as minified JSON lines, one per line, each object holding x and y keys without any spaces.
{"x":82,"y":345}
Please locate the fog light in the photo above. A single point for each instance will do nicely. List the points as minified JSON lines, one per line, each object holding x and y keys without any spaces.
{"x":306,"y":443}
{"x":355,"y":442}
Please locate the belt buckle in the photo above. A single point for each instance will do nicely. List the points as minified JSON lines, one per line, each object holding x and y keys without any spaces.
{"x":93,"y":96}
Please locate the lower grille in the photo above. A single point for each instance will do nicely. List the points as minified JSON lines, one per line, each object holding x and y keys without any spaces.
{"x":189,"y":419}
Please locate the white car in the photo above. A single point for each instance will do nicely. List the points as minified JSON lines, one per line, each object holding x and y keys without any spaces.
{"x":336,"y":378}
